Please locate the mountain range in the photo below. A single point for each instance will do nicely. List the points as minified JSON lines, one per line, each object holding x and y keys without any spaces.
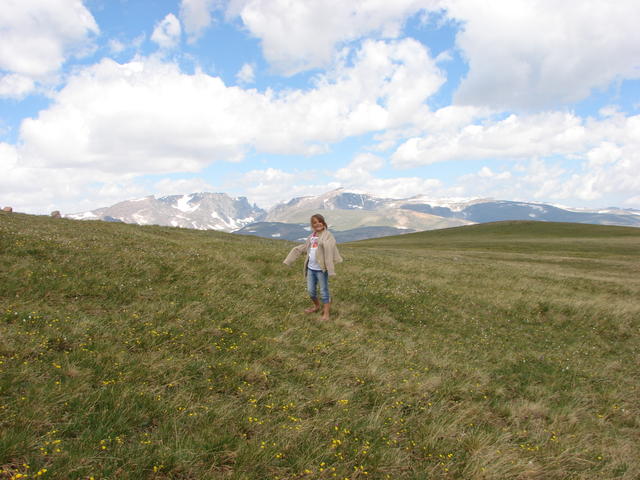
{"x":201,"y":211}
{"x":351,"y":216}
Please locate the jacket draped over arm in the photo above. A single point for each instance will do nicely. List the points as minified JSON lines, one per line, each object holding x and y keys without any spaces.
{"x":327,"y":255}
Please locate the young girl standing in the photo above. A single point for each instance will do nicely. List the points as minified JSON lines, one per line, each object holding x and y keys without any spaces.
{"x":322,"y":255}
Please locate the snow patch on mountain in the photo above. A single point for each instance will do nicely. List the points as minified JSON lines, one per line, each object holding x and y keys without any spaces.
{"x":183,"y":204}
{"x":140,"y":219}
{"x":455,"y":204}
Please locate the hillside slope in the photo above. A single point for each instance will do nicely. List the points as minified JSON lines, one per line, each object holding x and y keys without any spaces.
{"x":520,"y":236}
{"x":152,"y":352}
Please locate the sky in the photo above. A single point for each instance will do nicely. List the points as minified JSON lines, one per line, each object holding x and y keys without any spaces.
{"x":528,"y":100}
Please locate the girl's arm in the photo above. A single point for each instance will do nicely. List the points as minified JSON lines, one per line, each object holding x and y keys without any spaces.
{"x":295,"y":253}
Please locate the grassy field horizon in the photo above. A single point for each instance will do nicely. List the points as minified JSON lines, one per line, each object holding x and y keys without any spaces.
{"x":494,"y":351}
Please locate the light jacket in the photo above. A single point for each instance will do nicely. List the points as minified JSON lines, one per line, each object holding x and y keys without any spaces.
{"x":327,"y":254}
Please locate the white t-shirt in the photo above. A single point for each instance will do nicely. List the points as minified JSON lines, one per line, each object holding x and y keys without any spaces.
{"x":313,"y":250}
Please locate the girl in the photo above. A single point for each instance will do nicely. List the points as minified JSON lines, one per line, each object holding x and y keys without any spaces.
{"x":322,"y":255}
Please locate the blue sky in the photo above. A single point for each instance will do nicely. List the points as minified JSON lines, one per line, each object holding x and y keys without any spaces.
{"x":107,"y":100}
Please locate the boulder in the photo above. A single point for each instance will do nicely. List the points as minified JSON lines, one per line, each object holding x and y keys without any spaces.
{"x":56,"y":214}
{"x":7,"y":209}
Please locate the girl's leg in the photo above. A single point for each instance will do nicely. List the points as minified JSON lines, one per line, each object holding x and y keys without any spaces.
{"x":324,"y":292}
{"x":315,"y":308}
{"x":326,"y":308}
{"x":312,"y":284}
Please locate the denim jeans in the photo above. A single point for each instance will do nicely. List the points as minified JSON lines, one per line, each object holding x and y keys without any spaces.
{"x":313,"y":278}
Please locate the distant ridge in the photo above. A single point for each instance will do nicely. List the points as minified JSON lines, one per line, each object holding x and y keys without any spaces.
{"x":351,"y":216}
{"x":499,"y":210}
{"x":200,"y":211}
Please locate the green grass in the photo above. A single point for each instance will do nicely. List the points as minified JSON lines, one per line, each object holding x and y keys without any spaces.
{"x":498,"y":351}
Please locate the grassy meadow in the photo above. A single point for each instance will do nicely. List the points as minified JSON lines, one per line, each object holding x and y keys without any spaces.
{"x":496,"y":351}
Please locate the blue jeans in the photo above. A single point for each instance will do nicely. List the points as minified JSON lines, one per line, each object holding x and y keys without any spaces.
{"x":313,"y":278}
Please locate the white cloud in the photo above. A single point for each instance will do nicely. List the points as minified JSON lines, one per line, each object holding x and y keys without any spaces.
{"x":451,"y":118}
{"x":116,"y":46}
{"x":529,"y":180}
{"x":486,"y":172}
{"x":532,"y":180}
{"x":169,"y":186}
{"x":37,"y":36}
{"x":617,"y":176}
{"x":148,"y":117}
{"x":8,"y":157}
{"x":521,"y":54}
{"x":633,"y":202}
{"x":298,"y":36}
{"x":246,"y":74}
{"x":359,"y":176}
{"x":197,"y":16}
{"x":115,"y":120}
{"x":604,"y":152}
{"x":525,"y":54}
{"x":545,"y":180}
{"x":15,"y":86}
{"x":270,"y":176}
{"x":40,"y":189}
{"x":444,"y":57}
{"x":136,"y":118}
{"x":385,"y":88}
{"x":398,"y":187}
{"x":360,"y":167}
{"x":270,"y":186}
{"x":513,"y":137}
{"x":167,"y":32}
